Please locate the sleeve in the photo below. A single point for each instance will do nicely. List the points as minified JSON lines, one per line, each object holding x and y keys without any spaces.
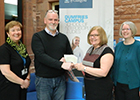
{"x":108,"y":50}
{"x":69,"y":49}
{"x":41,"y":56}
{"x":4,"y":55}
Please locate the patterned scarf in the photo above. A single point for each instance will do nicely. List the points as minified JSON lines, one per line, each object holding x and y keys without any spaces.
{"x":21,"y":48}
{"x":91,"y":55}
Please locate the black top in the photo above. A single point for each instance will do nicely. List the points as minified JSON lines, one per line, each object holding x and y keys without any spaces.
{"x":97,"y":63}
{"x":99,"y":88}
{"x":48,"y":51}
{"x":9,"y":90}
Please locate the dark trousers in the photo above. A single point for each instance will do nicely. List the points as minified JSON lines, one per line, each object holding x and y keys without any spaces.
{"x":122,"y":92}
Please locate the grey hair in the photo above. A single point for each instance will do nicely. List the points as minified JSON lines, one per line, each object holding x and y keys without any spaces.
{"x":51,"y":11}
{"x":132,"y":27}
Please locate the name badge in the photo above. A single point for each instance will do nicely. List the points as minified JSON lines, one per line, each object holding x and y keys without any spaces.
{"x":24,"y":71}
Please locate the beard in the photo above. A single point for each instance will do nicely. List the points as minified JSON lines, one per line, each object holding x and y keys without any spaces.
{"x":53,"y":27}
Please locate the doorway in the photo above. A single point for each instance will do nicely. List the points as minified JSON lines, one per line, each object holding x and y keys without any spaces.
{"x":13,"y":11}
{"x":55,"y":6}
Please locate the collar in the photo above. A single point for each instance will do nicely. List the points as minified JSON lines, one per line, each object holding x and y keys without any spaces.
{"x":48,"y":32}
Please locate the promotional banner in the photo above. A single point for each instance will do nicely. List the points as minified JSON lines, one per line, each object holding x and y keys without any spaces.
{"x":77,"y":17}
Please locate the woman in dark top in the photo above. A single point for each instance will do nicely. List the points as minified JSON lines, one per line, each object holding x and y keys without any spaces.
{"x":14,"y":65}
{"x":97,"y":64}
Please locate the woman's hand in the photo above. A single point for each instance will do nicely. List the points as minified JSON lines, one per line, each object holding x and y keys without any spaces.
{"x":11,"y":76}
{"x":25,"y":84}
{"x":79,"y":66}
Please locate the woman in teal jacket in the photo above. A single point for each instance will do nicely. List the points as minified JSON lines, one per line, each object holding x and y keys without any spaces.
{"x":126,"y":73}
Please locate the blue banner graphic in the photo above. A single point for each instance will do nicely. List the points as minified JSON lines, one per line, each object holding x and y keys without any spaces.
{"x":75,"y":18}
{"x":75,"y":3}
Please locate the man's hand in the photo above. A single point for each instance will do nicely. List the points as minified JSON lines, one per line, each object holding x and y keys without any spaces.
{"x":63,"y":59}
{"x":67,"y":66}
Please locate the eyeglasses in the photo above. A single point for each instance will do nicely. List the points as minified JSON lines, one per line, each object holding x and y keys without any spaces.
{"x":93,"y":35}
{"x":52,"y":11}
{"x":126,"y":29}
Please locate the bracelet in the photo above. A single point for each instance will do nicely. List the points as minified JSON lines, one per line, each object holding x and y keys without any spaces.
{"x":28,"y":79}
{"x":85,"y":69}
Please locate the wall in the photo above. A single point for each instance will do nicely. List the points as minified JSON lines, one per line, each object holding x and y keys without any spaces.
{"x":2,"y":22}
{"x":126,"y":10}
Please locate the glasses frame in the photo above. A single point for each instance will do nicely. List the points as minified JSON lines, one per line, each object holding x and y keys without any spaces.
{"x":93,"y":35}
{"x":127,"y":29}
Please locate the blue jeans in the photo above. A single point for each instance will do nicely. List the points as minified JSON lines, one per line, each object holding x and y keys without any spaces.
{"x":50,"y":88}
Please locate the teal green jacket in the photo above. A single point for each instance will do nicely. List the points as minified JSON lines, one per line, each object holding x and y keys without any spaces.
{"x":126,"y":68}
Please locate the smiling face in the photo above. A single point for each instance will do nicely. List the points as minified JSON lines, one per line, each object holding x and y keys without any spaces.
{"x":126,"y":31}
{"x":94,"y":38}
{"x":15,"y":33}
{"x":76,"y":41}
{"x":51,"y":20}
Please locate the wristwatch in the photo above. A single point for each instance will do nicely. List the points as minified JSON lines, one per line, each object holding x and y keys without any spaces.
{"x":85,"y":69}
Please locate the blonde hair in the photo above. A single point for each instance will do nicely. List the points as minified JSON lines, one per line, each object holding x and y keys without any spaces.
{"x":73,"y":40}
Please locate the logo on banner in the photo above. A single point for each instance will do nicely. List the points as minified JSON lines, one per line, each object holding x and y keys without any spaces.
{"x":71,"y":1}
{"x":66,"y":1}
{"x":75,"y":3}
